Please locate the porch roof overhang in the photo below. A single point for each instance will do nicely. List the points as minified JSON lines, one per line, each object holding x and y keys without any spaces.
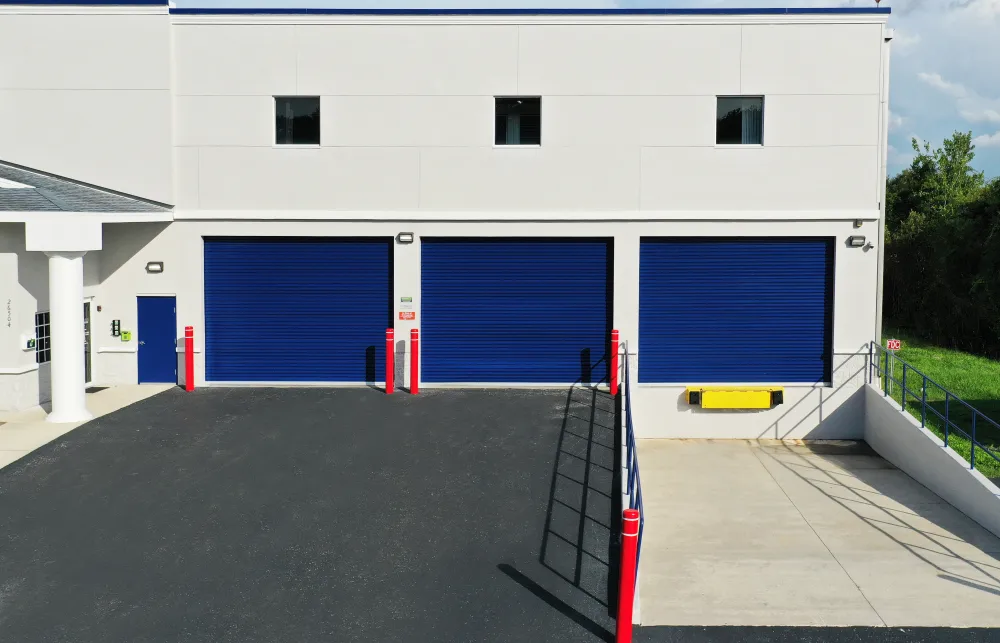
{"x":33,"y":196}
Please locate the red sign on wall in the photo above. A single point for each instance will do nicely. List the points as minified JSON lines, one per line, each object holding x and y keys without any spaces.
{"x":893,"y":344}
{"x":407,"y":315}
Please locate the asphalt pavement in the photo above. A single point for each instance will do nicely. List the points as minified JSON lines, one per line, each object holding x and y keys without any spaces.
{"x":253,"y":514}
{"x":258,"y":515}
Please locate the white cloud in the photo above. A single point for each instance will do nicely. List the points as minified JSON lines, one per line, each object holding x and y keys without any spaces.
{"x":971,"y":106}
{"x":982,"y":8}
{"x":899,"y":157}
{"x":987,"y":140}
{"x":895,"y":120}
{"x":904,"y":43}
{"x":935,"y":80}
{"x":985,"y":115}
{"x":909,"y":7}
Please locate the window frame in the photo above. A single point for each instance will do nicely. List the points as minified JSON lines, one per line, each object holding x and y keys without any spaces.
{"x":517,"y":146}
{"x":274,"y":123}
{"x":762,"y":128}
{"x":43,"y":320}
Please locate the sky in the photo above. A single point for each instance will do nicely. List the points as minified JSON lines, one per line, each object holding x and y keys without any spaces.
{"x":945,"y":69}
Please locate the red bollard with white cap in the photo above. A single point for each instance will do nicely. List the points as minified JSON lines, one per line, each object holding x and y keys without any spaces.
{"x":390,"y":360}
{"x":626,"y":575}
{"x":189,"y":358}
{"x":614,"y":363}
{"x":414,"y":361}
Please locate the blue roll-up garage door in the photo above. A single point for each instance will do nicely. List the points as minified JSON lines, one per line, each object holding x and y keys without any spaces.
{"x":296,"y":309}
{"x":515,"y":310}
{"x":747,"y":310}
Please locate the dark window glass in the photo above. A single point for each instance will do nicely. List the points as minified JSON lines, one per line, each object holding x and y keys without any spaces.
{"x":296,"y":120}
{"x":739,"y":120}
{"x":43,"y":347}
{"x":519,"y":121}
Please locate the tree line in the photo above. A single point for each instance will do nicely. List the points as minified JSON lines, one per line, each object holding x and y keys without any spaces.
{"x":942,"y":261}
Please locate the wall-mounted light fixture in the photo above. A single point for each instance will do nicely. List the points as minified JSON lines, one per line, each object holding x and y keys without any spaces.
{"x":858,"y":223}
{"x":404,"y":237}
{"x":856,"y":241}
{"x":154,"y":267}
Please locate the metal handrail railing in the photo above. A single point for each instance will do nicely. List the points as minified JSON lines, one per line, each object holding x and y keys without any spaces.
{"x":633,"y":484}
{"x":883,"y":364}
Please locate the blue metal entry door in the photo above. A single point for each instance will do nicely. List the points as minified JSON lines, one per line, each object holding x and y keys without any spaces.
{"x":157,"y":337}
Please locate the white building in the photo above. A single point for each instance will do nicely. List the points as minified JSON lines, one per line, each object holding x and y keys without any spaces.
{"x":513,"y":184}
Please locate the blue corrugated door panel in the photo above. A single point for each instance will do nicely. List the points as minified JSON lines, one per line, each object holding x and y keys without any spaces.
{"x":515,"y":310}
{"x":297,"y":309}
{"x":725,"y":310}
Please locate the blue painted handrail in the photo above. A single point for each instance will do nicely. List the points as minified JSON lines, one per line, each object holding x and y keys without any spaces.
{"x":633,"y":484}
{"x":883,"y":363}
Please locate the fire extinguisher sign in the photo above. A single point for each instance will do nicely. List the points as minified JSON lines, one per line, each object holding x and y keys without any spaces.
{"x":893,"y":344}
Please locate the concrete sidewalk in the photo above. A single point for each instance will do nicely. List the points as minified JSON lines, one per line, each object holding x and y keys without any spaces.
{"x":772,"y":533}
{"x":22,"y":432}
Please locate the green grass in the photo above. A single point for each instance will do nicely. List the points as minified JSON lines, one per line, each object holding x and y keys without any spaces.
{"x":976,"y":380}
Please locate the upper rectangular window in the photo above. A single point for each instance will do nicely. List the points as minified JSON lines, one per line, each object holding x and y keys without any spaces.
{"x":296,"y":120}
{"x":43,"y":346}
{"x":739,"y":120}
{"x":518,"y":121}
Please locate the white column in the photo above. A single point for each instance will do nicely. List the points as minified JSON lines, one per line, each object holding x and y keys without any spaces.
{"x":406,"y":283}
{"x":66,"y":326}
{"x":625,"y":316}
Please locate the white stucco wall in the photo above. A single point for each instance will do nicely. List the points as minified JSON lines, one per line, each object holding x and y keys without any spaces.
{"x":24,"y":287}
{"x":628,"y":112}
{"x":808,"y":411}
{"x":628,"y":150}
{"x":628,"y":109}
{"x":85,"y":93}
{"x":24,"y":290}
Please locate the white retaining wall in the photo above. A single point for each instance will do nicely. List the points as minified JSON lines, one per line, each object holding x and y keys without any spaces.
{"x":898,"y":437}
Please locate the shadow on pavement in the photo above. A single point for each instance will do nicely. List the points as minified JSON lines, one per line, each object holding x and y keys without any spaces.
{"x":292,"y":514}
{"x":556,"y":603}
{"x":899,"y":513}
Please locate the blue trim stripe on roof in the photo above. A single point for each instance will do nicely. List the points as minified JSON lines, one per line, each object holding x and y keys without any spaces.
{"x":86,"y":3}
{"x":660,"y":11}
{"x":534,"y":12}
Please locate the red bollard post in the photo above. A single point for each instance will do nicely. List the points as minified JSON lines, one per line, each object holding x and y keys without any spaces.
{"x":189,"y":358}
{"x":614,"y":363}
{"x":390,"y":360}
{"x":626,"y":575}
{"x":414,"y":361}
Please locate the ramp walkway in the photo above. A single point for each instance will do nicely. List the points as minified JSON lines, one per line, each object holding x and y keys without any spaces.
{"x":775,"y":533}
